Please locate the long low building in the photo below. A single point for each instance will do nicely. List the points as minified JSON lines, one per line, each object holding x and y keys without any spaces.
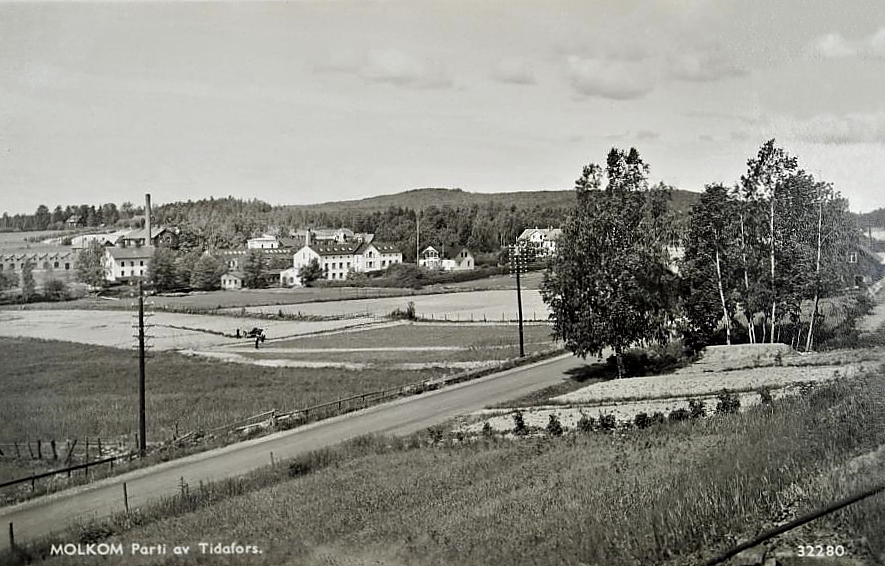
{"x":339,"y":259}
{"x":46,"y":264}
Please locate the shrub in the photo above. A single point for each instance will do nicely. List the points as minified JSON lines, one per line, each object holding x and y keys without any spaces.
{"x":55,"y":290}
{"x":696,"y":409}
{"x":764,"y":395}
{"x":728,"y":403}
{"x":519,"y":427}
{"x":642,"y":420}
{"x":310,"y":462}
{"x":404,"y":314}
{"x":678,"y":415}
{"x":586,"y":424}
{"x":487,"y":429}
{"x":607,"y":422}
{"x":554,"y":427}
{"x":94,"y":532}
{"x":657,"y":417}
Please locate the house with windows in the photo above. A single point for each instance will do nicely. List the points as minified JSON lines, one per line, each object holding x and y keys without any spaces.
{"x":232,"y":280}
{"x":126,"y":264}
{"x":541,"y":240}
{"x":339,"y":259}
{"x":263,"y":242}
{"x":461,"y":260}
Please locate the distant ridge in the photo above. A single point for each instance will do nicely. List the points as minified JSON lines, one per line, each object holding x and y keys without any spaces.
{"x":425,"y":197}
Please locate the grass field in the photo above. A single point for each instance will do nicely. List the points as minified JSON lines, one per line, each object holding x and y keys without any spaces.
{"x":61,"y":390}
{"x":670,"y":494}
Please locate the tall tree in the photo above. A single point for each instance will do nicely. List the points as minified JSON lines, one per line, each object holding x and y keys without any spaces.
{"x":765,"y":174}
{"x":162,"y":273}
{"x":709,"y":264}
{"x":90,"y":265}
{"x":310,"y":272}
{"x":28,"y":285}
{"x":253,"y":269}
{"x":207,"y":273}
{"x":609,"y":284}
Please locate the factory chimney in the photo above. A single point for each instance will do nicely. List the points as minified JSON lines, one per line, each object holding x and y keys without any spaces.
{"x":147,"y":218}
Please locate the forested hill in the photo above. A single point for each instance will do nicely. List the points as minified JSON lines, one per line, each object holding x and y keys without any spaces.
{"x":419,"y":199}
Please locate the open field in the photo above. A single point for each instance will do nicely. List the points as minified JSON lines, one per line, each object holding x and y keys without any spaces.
{"x":671,"y":494}
{"x":59,"y":390}
{"x":493,"y":305}
{"x":169,"y":331}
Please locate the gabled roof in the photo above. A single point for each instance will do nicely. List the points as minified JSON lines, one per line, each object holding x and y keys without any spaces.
{"x":327,"y":248}
{"x":383,"y":247}
{"x":141,"y":233}
{"x":547,"y":232}
{"x":142,"y":252}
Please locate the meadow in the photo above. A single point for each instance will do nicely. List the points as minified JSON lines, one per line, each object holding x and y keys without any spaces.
{"x":60,"y":390}
{"x":671,"y":494}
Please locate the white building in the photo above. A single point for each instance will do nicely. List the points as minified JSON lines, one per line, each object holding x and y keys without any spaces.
{"x":338,"y":259}
{"x":232,"y":280}
{"x":126,"y":264}
{"x":264,"y":242}
{"x":543,"y":240}
{"x":462,"y":260}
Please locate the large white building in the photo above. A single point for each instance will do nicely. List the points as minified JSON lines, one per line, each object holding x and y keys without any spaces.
{"x":126,"y":264}
{"x":461,"y":260}
{"x":542,"y":240}
{"x":338,"y":259}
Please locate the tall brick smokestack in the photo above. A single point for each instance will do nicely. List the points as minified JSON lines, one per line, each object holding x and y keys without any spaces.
{"x":147,"y":218}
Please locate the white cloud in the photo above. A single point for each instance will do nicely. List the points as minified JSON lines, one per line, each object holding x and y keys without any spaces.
{"x":837,"y":130}
{"x":619,"y":80}
{"x":703,"y":67}
{"x":835,"y":46}
{"x":514,"y":71}
{"x":391,"y":66}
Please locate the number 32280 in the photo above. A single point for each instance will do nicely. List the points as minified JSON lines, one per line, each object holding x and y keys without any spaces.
{"x":820,"y":550}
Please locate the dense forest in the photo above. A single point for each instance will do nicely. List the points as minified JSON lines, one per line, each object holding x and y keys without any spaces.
{"x":449,"y":218}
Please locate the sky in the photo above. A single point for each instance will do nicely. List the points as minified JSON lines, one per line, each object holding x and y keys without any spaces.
{"x":309,"y":101}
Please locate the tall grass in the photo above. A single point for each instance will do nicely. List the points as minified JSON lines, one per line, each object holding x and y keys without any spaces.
{"x":668,"y":494}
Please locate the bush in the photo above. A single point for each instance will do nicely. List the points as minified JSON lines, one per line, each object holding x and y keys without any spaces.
{"x":554,"y":427}
{"x":696,"y":409}
{"x":487,"y":429}
{"x":764,"y":395}
{"x":728,"y":403}
{"x":55,"y":290}
{"x":586,"y":424}
{"x":658,"y":418}
{"x":607,"y":422}
{"x":654,"y":360}
{"x":404,"y":314}
{"x":310,"y":462}
{"x":519,"y":427}
{"x":678,"y":415}
{"x":94,"y":532}
{"x":642,"y":420}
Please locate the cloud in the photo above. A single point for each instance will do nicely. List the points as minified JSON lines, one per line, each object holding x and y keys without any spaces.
{"x":835,"y":46}
{"x":514,"y":71}
{"x":390,"y":66}
{"x":703,"y":67}
{"x":840,"y":130}
{"x":619,"y":80}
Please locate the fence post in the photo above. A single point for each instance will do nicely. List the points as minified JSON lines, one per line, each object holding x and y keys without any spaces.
{"x":125,"y":497}
{"x":39,"y":449}
{"x":11,"y":536}
{"x":30,"y":451}
{"x":54,"y":452}
{"x":99,"y":448}
{"x":271,"y":459}
{"x":17,"y":453}
{"x":87,"y":448}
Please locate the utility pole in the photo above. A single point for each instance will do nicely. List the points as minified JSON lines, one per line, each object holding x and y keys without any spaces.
{"x":142,"y":440}
{"x":417,"y":236}
{"x":517,"y":264}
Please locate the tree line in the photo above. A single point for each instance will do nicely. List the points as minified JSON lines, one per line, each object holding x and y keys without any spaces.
{"x":758,"y":258}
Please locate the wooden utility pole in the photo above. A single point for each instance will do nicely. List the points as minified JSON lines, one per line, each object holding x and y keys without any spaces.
{"x":516,"y":264}
{"x":142,"y":439}
{"x":417,"y":237}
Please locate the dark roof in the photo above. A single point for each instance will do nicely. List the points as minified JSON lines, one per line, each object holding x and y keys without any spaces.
{"x":140,"y":252}
{"x":141,"y":233}
{"x":325,"y":248}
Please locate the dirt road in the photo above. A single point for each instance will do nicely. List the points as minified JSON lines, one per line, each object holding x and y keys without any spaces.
{"x":53,"y":513}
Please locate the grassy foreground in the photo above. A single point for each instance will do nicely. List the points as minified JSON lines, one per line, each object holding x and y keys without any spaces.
{"x":670,"y":494}
{"x":62,"y":390}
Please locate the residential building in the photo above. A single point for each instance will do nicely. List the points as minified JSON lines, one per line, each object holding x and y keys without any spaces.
{"x":541,"y":240}
{"x":126,"y":264}
{"x":461,"y":260}
{"x":263,"y":242}
{"x":75,"y":221}
{"x":160,"y":237}
{"x":338,"y":259}
{"x":110,"y":239}
{"x":232,"y":280}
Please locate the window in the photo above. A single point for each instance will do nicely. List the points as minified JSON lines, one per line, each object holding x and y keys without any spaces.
{"x":55,"y":264}
{"x":141,"y":262}
{"x":852,"y":257}
{"x":383,"y":263}
{"x":348,"y":265}
{"x":67,"y":266}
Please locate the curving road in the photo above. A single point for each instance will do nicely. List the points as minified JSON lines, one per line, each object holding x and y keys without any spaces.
{"x":57,"y":511}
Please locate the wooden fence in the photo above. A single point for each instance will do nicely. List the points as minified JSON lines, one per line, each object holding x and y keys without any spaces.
{"x":69,"y":471}
{"x":67,"y":450}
